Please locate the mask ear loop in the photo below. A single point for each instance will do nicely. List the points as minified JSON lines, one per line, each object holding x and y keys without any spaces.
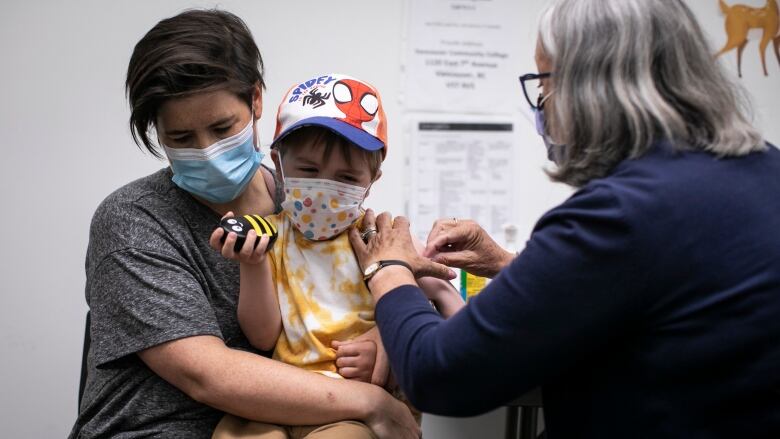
{"x":540,"y":108}
{"x":280,"y":171}
{"x":365,"y":194}
{"x":542,"y":101}
{"x":162,"y":146}
{"x":255,"y":136}
{"x":281,"y":166}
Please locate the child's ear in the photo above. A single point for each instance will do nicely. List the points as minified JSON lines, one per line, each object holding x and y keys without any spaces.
{"x":378,"y":174}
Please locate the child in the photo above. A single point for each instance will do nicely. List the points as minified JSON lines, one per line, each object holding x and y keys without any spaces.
{"x":309,"y":294}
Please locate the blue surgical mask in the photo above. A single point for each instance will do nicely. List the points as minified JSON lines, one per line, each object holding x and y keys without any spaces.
{"x":219,"y":173}
{"x":554,"y":151}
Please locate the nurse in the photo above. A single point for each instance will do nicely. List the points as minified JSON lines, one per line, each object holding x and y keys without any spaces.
{"x":648,"y":303}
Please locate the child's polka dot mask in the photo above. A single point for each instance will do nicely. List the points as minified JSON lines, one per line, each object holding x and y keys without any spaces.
{"x":321,"y":209}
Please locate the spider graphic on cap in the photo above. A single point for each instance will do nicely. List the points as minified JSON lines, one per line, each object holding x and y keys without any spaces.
{"x":315,"y":98}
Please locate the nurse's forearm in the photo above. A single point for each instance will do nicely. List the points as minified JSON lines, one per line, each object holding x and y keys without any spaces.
{"x":388,"y":279}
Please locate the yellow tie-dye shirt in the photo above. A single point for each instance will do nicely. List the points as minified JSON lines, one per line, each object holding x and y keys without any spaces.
{"x":322,"y":297}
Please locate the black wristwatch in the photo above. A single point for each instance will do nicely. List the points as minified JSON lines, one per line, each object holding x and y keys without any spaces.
{"x":373,"y":268}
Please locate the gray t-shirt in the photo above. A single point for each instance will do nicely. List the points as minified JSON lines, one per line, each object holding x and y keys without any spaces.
{"x":151,"y":278}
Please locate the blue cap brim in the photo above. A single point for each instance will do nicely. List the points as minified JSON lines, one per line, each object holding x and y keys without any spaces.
{"x":351,"y":133}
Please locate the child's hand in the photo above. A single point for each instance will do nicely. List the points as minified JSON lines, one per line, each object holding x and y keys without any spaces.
{"x":355,"y":359}
{"x":379,"y":369}
{"x":249,"y":254}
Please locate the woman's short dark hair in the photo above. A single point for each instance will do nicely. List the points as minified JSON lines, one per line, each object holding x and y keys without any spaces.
{"x":193,"y":52}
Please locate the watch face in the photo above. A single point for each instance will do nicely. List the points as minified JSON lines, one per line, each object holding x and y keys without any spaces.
{"x":371,"y":269}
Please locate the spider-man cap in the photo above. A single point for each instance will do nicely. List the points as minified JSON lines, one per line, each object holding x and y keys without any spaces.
{"x":342,"y":104}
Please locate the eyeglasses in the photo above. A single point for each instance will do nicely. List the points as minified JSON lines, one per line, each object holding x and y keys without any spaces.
{"x":533,"y":81}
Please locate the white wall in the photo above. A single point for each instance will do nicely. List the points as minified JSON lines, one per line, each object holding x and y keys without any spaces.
{"x":65,"y":145}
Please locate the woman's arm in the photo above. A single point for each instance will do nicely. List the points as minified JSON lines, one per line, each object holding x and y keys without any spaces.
{"x":261,"y":389}
{"x":574,"y":290}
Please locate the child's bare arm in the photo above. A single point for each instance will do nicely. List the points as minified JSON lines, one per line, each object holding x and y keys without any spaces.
{"x":443,"y":295}
{"x":258,"y":305}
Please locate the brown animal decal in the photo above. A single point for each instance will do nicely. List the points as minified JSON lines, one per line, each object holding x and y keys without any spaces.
{"x":740,"y":19}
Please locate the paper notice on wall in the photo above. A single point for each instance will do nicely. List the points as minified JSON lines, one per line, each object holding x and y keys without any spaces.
{"x":462,"y":169}
{"x":461,"y":56}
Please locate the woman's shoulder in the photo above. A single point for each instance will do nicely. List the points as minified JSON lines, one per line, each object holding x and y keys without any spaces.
{"x":144,"y":194}
{"x":668,"y":163}
{"x":142,"y":213}
{"x":674,"y":187}
{"x":621,"y":202}
{"x":675,"y":175}
{"x":157,"y":184}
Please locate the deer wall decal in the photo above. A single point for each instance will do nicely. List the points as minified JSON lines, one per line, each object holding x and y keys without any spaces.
{"x":740,"y":19}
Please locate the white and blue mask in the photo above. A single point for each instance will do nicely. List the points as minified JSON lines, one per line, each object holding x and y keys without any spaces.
{"x":554,"y":151}
{"x":220,"y":172}
{"x":320,"y":208}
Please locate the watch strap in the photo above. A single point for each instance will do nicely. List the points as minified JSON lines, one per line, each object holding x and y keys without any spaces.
{"x":386,"y":263}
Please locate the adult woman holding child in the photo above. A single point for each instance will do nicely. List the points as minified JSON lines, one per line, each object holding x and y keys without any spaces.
{"x":648,"y":303}
{"x":168,"y":358}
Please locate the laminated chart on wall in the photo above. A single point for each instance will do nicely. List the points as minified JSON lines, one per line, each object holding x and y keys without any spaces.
{"x":462,"y":169}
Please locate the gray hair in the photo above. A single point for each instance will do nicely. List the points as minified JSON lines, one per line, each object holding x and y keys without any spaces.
{"x":628,"y":73}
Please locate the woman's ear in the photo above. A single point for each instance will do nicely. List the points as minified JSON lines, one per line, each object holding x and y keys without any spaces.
{"x":257,"y":101}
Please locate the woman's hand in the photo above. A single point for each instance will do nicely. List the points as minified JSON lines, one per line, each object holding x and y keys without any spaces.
{"x":390,"y":418}
{"x":392,"y":240}
{"x":464,"y":244}
{"x":249,"y":254}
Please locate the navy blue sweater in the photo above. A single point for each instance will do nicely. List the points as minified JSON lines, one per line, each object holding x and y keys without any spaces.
{"x":646,"y":305}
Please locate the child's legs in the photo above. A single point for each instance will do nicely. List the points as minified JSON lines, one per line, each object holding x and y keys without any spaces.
{"x":233,"y":427}
{"x":337,"y":430}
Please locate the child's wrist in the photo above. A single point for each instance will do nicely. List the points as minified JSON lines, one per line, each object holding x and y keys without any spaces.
{"x":246,"y":264}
